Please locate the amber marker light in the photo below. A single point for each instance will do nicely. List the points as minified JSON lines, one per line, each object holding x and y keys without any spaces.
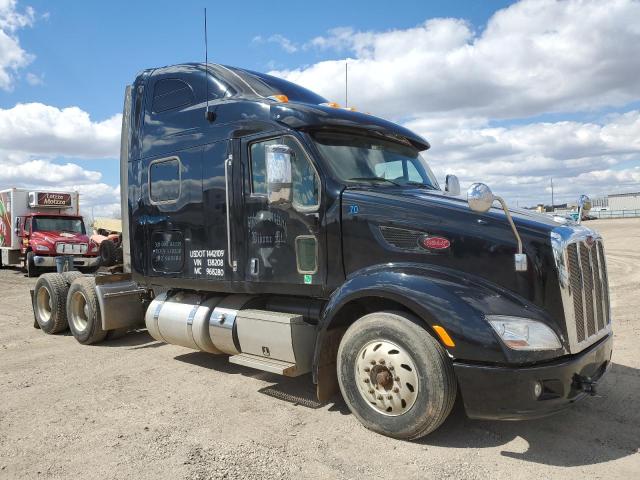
{"x":444,"y":336}
{"x":331,"y":104}
{"x":279,"y":98}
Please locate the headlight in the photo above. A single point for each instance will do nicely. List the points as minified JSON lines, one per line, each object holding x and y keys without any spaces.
{"x":524,"y":334}
{"x":42,"y":248}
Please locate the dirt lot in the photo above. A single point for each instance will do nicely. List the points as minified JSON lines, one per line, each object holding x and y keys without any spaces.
{"x":136,"y":408}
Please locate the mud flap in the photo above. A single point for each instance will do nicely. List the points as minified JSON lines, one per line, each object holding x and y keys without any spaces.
{"x":327,"y":386}
{"x":121,"y":300}
{"x":33,"y":307}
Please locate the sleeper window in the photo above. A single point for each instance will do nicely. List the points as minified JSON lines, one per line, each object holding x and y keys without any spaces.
{"x":171,"y":93}
{"x":164,"y":180}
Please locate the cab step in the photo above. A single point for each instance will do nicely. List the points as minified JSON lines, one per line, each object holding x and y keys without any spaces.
{"x":267,"y":364}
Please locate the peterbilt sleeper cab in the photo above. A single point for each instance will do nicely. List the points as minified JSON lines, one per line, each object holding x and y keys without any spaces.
{"x":265,"y":223}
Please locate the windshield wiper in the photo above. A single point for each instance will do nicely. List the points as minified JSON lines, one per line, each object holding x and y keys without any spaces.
{"x":375,"y":179}
{"x":420,"y":184}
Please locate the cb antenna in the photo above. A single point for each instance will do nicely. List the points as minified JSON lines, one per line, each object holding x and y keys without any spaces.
{"x":208,"y":115}
{"x":346,"y":84}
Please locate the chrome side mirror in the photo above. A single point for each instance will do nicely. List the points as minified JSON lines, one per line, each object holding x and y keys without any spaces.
{"x":452,"y":185}
{"x":480,"y":198}
{"x":278,"y":173}
{"x":584,"y":205}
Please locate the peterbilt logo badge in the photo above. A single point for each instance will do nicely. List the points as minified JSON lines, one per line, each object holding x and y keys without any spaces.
{"x":590,"y":241}
{"x":435,"y":243}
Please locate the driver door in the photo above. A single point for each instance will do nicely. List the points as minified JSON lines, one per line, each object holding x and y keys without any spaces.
{"x":284,"y":240}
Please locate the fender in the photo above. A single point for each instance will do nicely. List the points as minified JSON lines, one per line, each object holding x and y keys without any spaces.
{"x":439,"y":296}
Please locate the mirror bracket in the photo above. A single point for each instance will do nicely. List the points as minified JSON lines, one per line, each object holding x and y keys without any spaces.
{"x":480,"y":199}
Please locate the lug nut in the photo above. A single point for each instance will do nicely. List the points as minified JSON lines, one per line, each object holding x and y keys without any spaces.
{"x":397,"y":379}
{"x":391,"y":368}
{"x":382,"y":362}
{"x":396,"y":390}
{"x":371,"y":392}
{"x":389,"y":397}
{"x":366,"y":380}
{"x":367,"y":369}
{"x":373,"y":362}
{"x":379,"y":397}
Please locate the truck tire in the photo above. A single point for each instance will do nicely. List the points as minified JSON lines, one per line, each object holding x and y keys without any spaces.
{"x":107,"y":252}
{"x":394,"y":376}
{"x":83,"y":311}
{"x":30,"y":265}
{"x":70,"y":276}
{"x":50,"y":296}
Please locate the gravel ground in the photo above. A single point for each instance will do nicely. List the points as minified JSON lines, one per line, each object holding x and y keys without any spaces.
{"x":136,"y":408}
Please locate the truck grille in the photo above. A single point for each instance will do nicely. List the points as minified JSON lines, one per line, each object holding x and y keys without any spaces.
{"x":589,"y":291}
{"x":71,"y":248}
{"x":401,"y":238}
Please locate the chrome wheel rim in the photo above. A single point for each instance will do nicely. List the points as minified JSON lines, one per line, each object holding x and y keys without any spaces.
{"x":44,"y":304}
{"x":386,"y":377}
{"x":79,"y":312}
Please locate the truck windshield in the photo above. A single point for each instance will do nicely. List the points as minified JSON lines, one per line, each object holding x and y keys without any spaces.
{"x":361,"y":159}
{"x":58,"y":224}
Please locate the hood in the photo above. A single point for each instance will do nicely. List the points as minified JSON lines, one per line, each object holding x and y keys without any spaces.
{"x":55,"y":237}
{"x":395,"y":220}
{"x":416,"y":197}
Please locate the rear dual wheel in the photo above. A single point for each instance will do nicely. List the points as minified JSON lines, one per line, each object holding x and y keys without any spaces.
{"x":50,"y":296}
{"x":49,"y":301}
{"x":83,"y":311}
{"x":394,"y":376}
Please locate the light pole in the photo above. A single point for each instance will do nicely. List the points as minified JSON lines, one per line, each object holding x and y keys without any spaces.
{"x":552,"y":203}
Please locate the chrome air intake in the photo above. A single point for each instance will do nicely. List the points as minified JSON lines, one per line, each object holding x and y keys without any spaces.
{"x":582,"y":273}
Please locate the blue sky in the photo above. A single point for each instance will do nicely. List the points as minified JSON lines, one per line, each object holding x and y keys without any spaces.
{"x":87,"y":52}
{"x":512,"y":93}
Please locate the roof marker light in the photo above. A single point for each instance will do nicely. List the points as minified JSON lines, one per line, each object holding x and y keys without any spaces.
{"x":279,"y":98}
{"x":331,"y":104}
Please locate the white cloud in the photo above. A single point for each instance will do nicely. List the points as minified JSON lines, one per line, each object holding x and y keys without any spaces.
{"x":12,"y":56}
{"x":34,"y":80}
{"x":533,"y":57}
{"x":519,"y":161}
{"x":284,"y":43}
{"x":42,"y":129}
{"x":44,"y":172}
{"x":33,"y":136}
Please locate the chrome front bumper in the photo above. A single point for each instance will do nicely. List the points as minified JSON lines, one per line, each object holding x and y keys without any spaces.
{"x":42,"y":261}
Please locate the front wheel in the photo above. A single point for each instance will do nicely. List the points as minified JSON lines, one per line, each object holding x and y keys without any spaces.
{"x":395,"y":377}
{"x":30,"y":265}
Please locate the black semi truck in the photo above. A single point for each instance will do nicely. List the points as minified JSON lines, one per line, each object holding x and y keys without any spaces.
{"x":263,"y":222}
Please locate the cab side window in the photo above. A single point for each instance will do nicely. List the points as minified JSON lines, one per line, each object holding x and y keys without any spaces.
{"x":306,"y":183}
{"x":171,"y":93}
{"x":164,"y":180}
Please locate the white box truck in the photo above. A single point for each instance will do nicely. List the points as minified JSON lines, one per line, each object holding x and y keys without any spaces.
{"x":38,"y":226}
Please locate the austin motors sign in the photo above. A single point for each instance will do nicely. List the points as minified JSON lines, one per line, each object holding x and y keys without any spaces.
{"x":54,"y":200}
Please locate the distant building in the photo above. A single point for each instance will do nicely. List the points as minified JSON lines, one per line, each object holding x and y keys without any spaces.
{"x":624,"y":201}
{"x":598,"y":203}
